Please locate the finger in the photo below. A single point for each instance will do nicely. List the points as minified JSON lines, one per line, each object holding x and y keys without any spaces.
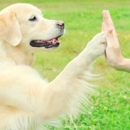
{"x":108,"y":20}
{"x":104,"y":29}
{"x":110,"y":45}
{"x":109,"y":25}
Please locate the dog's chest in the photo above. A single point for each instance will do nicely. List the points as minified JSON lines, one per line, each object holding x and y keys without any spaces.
{"x":25,"y":124}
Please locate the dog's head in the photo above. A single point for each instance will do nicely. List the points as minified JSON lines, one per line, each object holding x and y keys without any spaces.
{"x":24,"y":25}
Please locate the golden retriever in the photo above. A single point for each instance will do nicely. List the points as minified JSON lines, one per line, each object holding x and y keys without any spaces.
{"x":26,"y":99}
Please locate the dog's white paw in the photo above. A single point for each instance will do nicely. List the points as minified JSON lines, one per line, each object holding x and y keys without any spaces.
{"x":97,"y":45}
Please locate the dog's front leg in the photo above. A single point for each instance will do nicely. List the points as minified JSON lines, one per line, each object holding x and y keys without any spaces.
{"x":27,"y":91}
{"x":69,"y":89}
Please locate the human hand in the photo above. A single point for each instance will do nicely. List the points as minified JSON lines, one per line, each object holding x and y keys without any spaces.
{"x":113,"y":54}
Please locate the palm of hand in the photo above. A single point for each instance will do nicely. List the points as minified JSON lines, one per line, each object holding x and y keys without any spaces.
{"x":112,"y":53}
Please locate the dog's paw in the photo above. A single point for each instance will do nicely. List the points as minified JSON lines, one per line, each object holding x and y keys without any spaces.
{"x":97,"y":45}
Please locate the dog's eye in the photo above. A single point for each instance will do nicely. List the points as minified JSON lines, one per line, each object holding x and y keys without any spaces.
{"x":33,"y":18}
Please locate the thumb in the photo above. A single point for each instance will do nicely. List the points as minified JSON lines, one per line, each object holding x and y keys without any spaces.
{"x":110,"y":38}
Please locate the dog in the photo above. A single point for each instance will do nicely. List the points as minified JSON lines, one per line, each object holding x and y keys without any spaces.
{"x":26,"y":99}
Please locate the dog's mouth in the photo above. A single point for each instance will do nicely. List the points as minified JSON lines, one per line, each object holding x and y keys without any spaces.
{"x":54,"y":42}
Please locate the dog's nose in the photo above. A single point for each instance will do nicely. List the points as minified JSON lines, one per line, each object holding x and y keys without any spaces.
{"x":61,"y":24}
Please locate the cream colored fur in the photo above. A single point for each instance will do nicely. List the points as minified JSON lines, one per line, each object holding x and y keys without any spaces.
{"x":27,"y":100}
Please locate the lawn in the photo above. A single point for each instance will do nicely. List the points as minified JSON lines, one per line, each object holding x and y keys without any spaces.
{"x":83,"y":18}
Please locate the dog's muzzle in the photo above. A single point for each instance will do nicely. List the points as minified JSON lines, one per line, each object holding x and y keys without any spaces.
{"x":54,"y":42}
{"x":45,"y":43}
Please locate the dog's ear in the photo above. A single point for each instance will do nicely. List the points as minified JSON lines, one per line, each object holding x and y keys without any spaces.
{"x":9,"y":28}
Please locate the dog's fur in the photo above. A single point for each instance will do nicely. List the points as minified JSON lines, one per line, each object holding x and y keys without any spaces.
{"x":25,"y":97}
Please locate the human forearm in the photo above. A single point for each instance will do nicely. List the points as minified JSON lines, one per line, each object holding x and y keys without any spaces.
{"x":124,"y":65}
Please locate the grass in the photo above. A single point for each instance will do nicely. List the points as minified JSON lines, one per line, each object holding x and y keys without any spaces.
{"x":111,"y":108}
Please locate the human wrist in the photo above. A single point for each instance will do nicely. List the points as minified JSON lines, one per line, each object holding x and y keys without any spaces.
{"x":119,"y":63}
{"x":123,"y":64}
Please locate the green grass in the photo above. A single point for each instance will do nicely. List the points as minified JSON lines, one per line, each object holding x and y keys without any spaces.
{"x":111,"y":107}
